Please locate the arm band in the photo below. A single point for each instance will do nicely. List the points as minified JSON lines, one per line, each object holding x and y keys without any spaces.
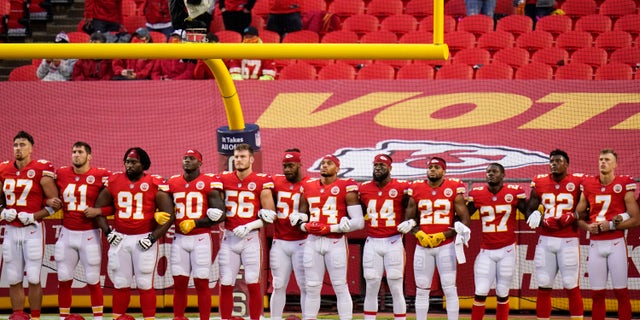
{"x":49,"y":210}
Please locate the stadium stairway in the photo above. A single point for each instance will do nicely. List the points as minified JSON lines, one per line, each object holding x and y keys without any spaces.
{"x":66,"y":17}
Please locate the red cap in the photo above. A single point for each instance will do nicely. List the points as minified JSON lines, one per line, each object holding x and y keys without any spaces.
{"x":133,"y":154}
{"x":332,"y":158}
{"x":193,"y":153}
{"x":382,"y":158}
{"x":291,"y":156}
{"x":437,"y":161}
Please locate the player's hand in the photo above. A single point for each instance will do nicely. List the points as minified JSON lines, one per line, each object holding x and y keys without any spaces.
{"x":187,"y":225}
{"x":423,"y":239}
{"x":162,"y":217}
{"x":114,"y":237}
{"x":92,"y":212}
{"x":214,"y":214}
{"x":267,"y":215}
{"x":241,"y":231}
{"x":26,"y":218}
{"x":146,"y":243}
{"x":317,"y":228}
{"x":406,"y":226}
{"x":552,"y":223}
{"x":567,"y":219}
{"x":463,"y":231}
{"x":436,"y":239}
{"x":296,"y":218}
{"x":534,"y":219}
{"x":8,"y":214}
{"x":345,"y":225}
{"x":54,"y":203}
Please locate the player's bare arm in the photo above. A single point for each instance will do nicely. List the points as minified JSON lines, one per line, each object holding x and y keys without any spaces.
{"x":51,"y":194}
{"x":521,"y":205}
{"x":471,"y":208}
{"x":533,"y":204}
{"x":266,"y":200}
{"x":164,"y":203}
{"x":216,"y":201}
{"x":462,"y":212}
{"x":104,"y":203}
{"x":581,"y":211}
{"x":621,"y":221}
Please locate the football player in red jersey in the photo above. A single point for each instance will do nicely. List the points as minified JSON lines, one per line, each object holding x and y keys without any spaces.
{"x":134,"y":196}
{"x":334,"y":209}
{"x":249,"y":201}
{"x":612,"y":208}
{"x":29,"y":194}
{"x":194,"y":195}
{"x":497,"y":206}
{"x":438,"y":201}
{"x":558,"y":247}
{"x":80,"y":239}
{"x":287,"y":248}
{"x":384,"y":199}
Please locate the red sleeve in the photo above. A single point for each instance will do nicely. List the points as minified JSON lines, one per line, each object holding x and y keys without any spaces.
{"x":156,"y":72}
{"x":89,"y":9}
{"x":187,"y":73}
{"x":118,"y":65}
{"x":145,"y":72}
{"x":77,"y":74}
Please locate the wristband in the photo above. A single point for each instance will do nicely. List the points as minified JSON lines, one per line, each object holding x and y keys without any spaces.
{"x":49,"y":210}
{"x":612,"y":226}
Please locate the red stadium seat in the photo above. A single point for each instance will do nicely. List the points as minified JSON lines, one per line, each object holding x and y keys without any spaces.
{"x":495,"y":71}
{"x":82,"y":37}
{"x":574,"y":71}
{"x":361,"y":24}
{"x":613,"y":40}
{"x":384,"y":8}
{"x":258,"y":22}
{"x":629,"y":23}
{"x":574,"y":40}
{"x":134,"y":22}
{"x":419,"y":8}
{"x":472,"y":56}
{"x":399,"y":24}
{"x":302,"y":36}
{"x":514,"y":57}
{"x":578,"y":8}
{"x":298,"y":71}
{"x":535,"y":40}
{"x":337,"y":71}
{"x":415,"y":71}
{"x":455,"y":71}
{"x":553,"y":57}
{"x":216,"y":24}
{"x":595,"y":24}
{"x":376,"y":72}
{"x":477,"y":24}
{"x":228,"y":36}
{"x":515,"y":24}
{"x":534,"y":71}
{"x":554,"y":24}
{"x":380,"y":37}
{"x":630,"y":56}
{"x":614,"y":71}
{"x":24,"y":73}
{"x":618,"y":8}
{"x":156,"y":37}
{"x":595,"y":57}
{"x":426,"y":24}
{"x":455,"y":8}
{"x":340,"y":36}
{"x":261,"y":8}
{"x":496,"y":40}
{"x":345,"y":8}
{"x":314,"y":5}
{"x":458,"y":40}
{"x":417,"y":37}
{"x":268,"y":36}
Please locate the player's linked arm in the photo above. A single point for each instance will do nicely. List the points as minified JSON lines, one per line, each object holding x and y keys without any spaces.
{"x":354,"y":210}
{"x":581,"y":211}
{"x":164,"y":203}
{"x":53,"y":202}
{"x":626,"y":220}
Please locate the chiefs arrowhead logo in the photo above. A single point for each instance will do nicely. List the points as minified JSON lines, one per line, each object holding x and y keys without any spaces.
{"x":410,"y":158}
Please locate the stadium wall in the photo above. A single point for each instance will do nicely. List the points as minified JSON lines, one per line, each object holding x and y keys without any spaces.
{"x":469,"y":123}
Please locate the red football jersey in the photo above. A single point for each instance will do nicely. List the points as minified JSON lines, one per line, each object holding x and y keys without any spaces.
{"x":327,"y":203}
{"x":497,"y":214}
{"x":558,"y":198}
{"x":435,"y":205}
{"x":384,"y":207}
{"x":21,"y":187}
{"x":134,"y":202}
{"x":287,"y":199}
{"x":191,"y":198}
{"x":606,"y":202}
{"x":242,"y":197}
{"x":78,"y":192}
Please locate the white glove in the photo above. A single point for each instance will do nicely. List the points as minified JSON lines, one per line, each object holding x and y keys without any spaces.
{"x":26,"y":218}
{"x":241,"y":231}
{"x":406,"y":226}
{"x":534,"y":219}
{"x":146,"y":243}
{"x":345,"y":225}
{"x":214,"y":214}
{"x":297,"y":218}
{"x":267,"y":215}
{"x":114,"y":237}
{"x":8,"y":214}
{"x":463,"y":232}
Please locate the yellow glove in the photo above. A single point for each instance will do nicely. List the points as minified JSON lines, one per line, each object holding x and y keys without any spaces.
{"x":266,"y":77}
{"x":436,"y":239}
{"x":162,"y":217}
{"x":187,"y":225}
{"x":423,"y":239}
{"x":236,"y":76}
